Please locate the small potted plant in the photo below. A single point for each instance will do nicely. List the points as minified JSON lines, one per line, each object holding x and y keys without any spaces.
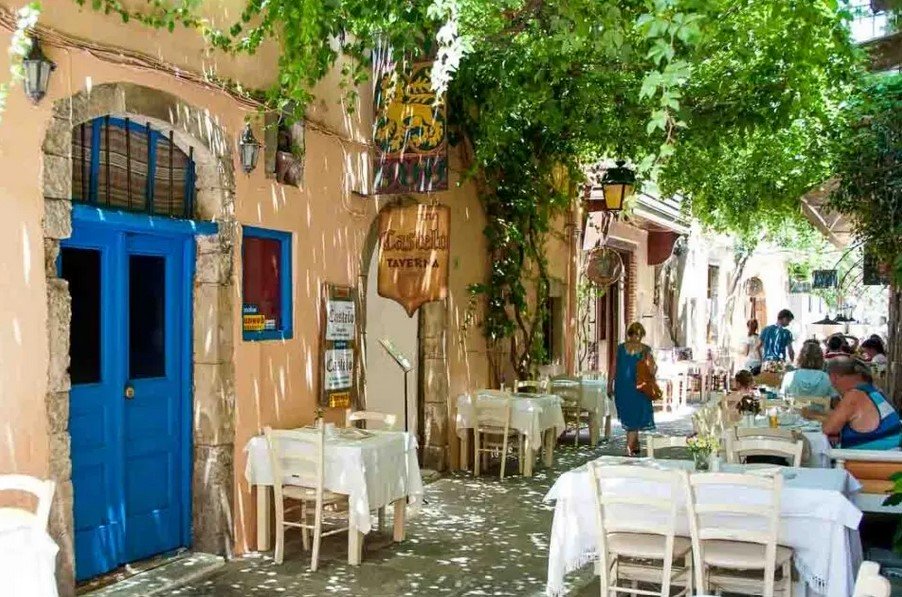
{"x":702,"y":447}
{"x":748,"y":407}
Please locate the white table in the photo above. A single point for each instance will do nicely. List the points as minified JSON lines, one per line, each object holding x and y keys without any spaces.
{"x":373,"y":472}
{"x":27,"y":562}
{"x":593,"y":398}
{"x":817,"y":521}
{"x":537,"y":416}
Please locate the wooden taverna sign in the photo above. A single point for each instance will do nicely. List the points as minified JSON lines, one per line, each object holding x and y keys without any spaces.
{"x":414,"y":251}
{"x":338,"y":347}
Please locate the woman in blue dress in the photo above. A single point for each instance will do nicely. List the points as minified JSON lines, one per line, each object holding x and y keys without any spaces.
{"x":633,"y":407}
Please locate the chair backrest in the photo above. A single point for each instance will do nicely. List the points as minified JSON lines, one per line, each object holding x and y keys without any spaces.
{"x":663,"y":442}
{"x":569,"y":389}
{"x":779,"y":433}
{"x":493,"y":415}
{"x":725,"y":506}
{"x":297,"y":455}
{"x":654,"y":492}
{"x":759,"y":446}
{"x":532,"y":385}
{"x":822,"y":401}
{"x":388,"y":421}
{"x":870,"y":583}
{"x":42,"y":491}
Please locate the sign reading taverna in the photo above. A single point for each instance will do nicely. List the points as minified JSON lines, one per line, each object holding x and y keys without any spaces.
{"x":414,"y":254}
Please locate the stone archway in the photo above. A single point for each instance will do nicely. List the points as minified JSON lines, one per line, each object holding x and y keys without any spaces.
{"x":432,"y":382}
{"x":213,"y":360}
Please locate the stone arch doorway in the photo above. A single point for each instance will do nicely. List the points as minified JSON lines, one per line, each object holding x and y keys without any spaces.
{"x":756,"y":307}
{"x":430,"y":386}
{"x":211,"y":360}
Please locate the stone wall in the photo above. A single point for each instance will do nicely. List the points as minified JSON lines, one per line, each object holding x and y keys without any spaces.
{"x":213,"y":400}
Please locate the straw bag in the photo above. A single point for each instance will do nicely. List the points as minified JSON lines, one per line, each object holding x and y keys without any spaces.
{"x":645,"y":379}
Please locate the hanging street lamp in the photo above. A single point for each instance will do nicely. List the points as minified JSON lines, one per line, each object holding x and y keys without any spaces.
{"x":617,"y":184}
{"x":37,"y":69}
{"x":248,"y":149}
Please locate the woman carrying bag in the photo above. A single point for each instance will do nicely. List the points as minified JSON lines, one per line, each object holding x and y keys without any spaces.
{"x":633,"y":386}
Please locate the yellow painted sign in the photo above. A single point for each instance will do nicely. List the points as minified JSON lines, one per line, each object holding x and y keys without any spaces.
{"x":254,"y":322}
{"x":342,"y":400}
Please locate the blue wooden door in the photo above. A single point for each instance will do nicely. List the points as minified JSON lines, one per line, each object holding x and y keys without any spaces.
{"x":129,"y":300}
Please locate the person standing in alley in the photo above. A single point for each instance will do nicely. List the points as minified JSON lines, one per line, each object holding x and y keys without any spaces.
{"x":776,"y":340}
{"x":633,"y":407}
{"x":752,"y":347}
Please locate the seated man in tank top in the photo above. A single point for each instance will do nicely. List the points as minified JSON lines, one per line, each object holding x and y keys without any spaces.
{"x":864,"y":419}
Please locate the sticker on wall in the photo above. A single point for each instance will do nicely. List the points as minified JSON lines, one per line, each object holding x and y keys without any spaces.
{"x":414,"y":254}
{"x":338,"y":347}
{"x":253,"y":320}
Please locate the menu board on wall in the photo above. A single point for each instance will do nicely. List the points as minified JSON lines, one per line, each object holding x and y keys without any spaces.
{"x":414,"y":254}
{"x":338,"y":347}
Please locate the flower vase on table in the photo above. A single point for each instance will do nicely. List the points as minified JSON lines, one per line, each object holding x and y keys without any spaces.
{"x":702,"y":447}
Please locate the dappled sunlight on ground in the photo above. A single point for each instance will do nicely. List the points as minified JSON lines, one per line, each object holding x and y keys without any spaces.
{"x":472,"y":537}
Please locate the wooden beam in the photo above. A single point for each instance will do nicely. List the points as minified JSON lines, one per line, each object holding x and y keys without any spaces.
{"x":885,"y":52}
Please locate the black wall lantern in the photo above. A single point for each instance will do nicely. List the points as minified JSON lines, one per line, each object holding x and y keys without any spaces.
{"x":248,"y":149}
{"x":617,"y":184}
{"x":37,"y":72}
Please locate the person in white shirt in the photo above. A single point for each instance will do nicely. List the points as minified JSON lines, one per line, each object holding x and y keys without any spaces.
{"x":873,"y":348}
{"x":752,"y":348}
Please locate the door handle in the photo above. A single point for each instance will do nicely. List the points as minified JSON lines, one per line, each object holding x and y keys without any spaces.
{"x":129,"y":392}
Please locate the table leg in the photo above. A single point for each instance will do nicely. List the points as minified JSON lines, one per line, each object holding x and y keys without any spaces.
{"x":400,"y":519}
{"x":264,"y":505}
{"x":594,"y":421}
{"x":355,"y":544}
{"x":548,"y":452}
{"x":465,"y":451}
{"x":530,"y":457}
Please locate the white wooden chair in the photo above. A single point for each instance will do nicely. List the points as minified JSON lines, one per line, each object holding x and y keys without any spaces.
{"x":640,"y":551}
{"x":655,"y":443}
{"x":493,"y":434}
{"x":873,"y":469}
{"x":388,"y":421}
{"x":570,"y":391}
{"x":822,"y":402}
{"x":304,"y":464}
{"x":16,"y":517}
{"x":719,"y":547}
{"x":870,"y":583}
{"x":739,"y":449}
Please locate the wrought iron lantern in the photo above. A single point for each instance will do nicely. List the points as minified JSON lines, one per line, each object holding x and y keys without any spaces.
{"x":617,"y":185}
{"x":248,"y":149}
{"x":37,"y":72}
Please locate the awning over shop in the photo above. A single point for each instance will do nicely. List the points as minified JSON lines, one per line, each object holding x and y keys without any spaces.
{"x":837,"y":228}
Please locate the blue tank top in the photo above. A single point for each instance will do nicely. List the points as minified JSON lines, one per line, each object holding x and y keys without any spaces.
{"x":888,"y":434}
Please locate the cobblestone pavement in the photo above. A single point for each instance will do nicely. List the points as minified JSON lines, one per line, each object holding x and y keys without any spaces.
{"x":474,"y":537}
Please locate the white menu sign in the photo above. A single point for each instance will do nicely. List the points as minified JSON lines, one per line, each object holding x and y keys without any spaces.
{"x":340,"y":320}
{"x":339,"y":368}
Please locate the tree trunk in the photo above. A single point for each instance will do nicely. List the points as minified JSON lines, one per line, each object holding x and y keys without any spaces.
{"x":894,"y":335}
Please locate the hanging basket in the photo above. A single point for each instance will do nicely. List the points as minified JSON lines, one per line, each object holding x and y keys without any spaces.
{"x":604,"y":267}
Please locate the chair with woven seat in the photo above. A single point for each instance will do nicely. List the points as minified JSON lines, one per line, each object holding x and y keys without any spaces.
{"x":302,"y":462}
{"x":726,"y":548}
{"x":388,"y":421}
{"x":655,"y":443}
{"x":493,"y":434}
{"x":741,"y":448}
{"x":570,"y":391}
{"x":640,"y":548}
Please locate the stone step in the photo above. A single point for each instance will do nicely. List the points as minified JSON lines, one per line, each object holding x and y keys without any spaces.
{"x":180,"y":570}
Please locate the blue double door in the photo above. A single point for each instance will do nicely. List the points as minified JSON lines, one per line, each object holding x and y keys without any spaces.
{"x":130,"y":396}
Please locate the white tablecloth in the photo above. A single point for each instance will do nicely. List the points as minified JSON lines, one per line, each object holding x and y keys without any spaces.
{"x":817,"y":521}
{"x":372,"y":472}
{"x":593,"y":396}
{"x":27,"y":563}
{"x":531,"y":414}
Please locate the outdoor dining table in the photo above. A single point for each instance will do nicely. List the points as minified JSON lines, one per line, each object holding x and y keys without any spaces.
{"x":817,"y":444}
{"x":592,"y":398}
{"x":374,"y":472}
{"x":817,"y":521}
{"x":27,"y":562}
{"x":538,"y":417}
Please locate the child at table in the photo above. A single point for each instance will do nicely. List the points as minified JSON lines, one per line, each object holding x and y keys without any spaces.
{"x":744,"y":384}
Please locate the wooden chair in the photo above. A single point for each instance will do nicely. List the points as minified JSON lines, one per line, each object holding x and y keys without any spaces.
{"x":570,"y":391}
{"x":663,"y":442}
{"x":493,"y":434}
{"x":532,"y":386}
{"x":388,"y":421}
{"x":741,"y":448}
{"x":305,"y":466}
{"x":640,"y":551}
{"x":823,"y":402}
{"x":719,"y":547}
{"x":870,"y":583}
{"x":40,"y":489}
{"x":873,"y":469}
